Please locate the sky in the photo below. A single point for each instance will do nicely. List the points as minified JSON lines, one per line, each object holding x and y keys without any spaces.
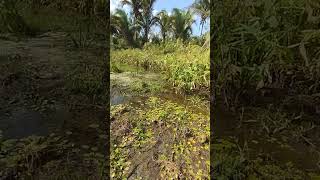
{"x":167,"y":5}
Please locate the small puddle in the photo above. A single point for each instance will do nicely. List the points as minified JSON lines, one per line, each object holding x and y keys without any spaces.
{"x":117,"y":97}
{"x":120,"y":83}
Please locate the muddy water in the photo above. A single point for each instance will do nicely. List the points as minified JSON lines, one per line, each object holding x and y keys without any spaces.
{"x":50,"y":62}
{"x":302,"y":156}
{"x":120,"y":92}
{"x":120,"y":86}
{"x":22,"y":122}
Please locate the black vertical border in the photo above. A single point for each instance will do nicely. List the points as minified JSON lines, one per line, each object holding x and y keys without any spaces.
{"x":106,"y":83}
{"x":212,"y":86}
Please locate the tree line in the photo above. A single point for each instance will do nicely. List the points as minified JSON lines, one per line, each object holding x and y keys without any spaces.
{"x":134,"y":29}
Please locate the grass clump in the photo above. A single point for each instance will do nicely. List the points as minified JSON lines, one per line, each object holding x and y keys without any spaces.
{"x":86,"y":79}
{"x":52,"y":157}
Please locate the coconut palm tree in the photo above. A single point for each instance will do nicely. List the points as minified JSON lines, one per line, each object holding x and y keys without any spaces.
{"x":122,"y":26}
{"x":164,"y":21}
{"x":202,"y":8}
{"x":135,"y":6}
{"x":142,"y":12}
{"x":181,"y":23}
{"x":147,"y":19}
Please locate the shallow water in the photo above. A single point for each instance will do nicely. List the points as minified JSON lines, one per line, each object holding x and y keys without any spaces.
{"x":117,"y":97}
{"x":298,"y":153}
{"x":120,"y":92}
{"x":21,"y":122}
{"x":50,"y":60}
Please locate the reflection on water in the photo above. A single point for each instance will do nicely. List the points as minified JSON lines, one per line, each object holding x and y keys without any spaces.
{"x":116,"y":97}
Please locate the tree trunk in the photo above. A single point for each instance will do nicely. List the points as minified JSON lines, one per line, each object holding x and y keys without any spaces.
{"x":164,"y":36}
{"x":201,"y":28}
{"x":146,"y":33}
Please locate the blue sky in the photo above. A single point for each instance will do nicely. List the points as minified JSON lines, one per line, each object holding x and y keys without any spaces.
{"x":168,"y":5}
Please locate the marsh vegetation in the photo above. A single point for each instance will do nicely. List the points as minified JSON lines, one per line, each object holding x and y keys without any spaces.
{"x":266,"y":83}
{"x":52,"y":96}
{"x":159,"y":93}
{"x":265,"y":79}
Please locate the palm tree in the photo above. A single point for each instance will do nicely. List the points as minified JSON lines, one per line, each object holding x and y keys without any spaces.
{"x":135,"y":6}
{"x":142,"y":12}
{"x":122,"y":26}
{"x":202,"y":8}
{"x":147,"y":20}
{"x":182,"y":22}
{"x":164,"y":21}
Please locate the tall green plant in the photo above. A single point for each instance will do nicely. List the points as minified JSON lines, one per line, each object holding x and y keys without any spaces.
{"x":122,"y":26}
{"x":164,"y":21}
{"x":182,"y":22}
{"x":143,"y":16}
{"x":147,"y":19}
{"x":254,"y":39}
{"x":202,"y":8}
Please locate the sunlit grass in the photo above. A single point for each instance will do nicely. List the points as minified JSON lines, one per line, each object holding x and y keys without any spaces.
{"x":185,"y":66}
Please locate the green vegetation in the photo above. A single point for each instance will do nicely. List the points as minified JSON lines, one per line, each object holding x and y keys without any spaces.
{"x":23,"y":16}
{"x":134,"y":30}
{"x":232,"y":162}
{"x":84,"y":79}
{"x":11,"y":20}
{"x":266,"y":73}
{"x":49,"y":157}
{"x":52,"y":94}
{"x":177,"y":137}
{"x":182,"y":65}
{"x":158,"y":133}
{"x":260,"y":44}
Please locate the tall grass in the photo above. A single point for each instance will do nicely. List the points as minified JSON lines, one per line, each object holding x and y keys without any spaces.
{"x":185,"y":66}
{"x":35,"y":16}
{"x":261,"y":43}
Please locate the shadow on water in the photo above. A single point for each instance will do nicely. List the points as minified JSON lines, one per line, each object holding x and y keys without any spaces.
{"x":21,"y":122}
